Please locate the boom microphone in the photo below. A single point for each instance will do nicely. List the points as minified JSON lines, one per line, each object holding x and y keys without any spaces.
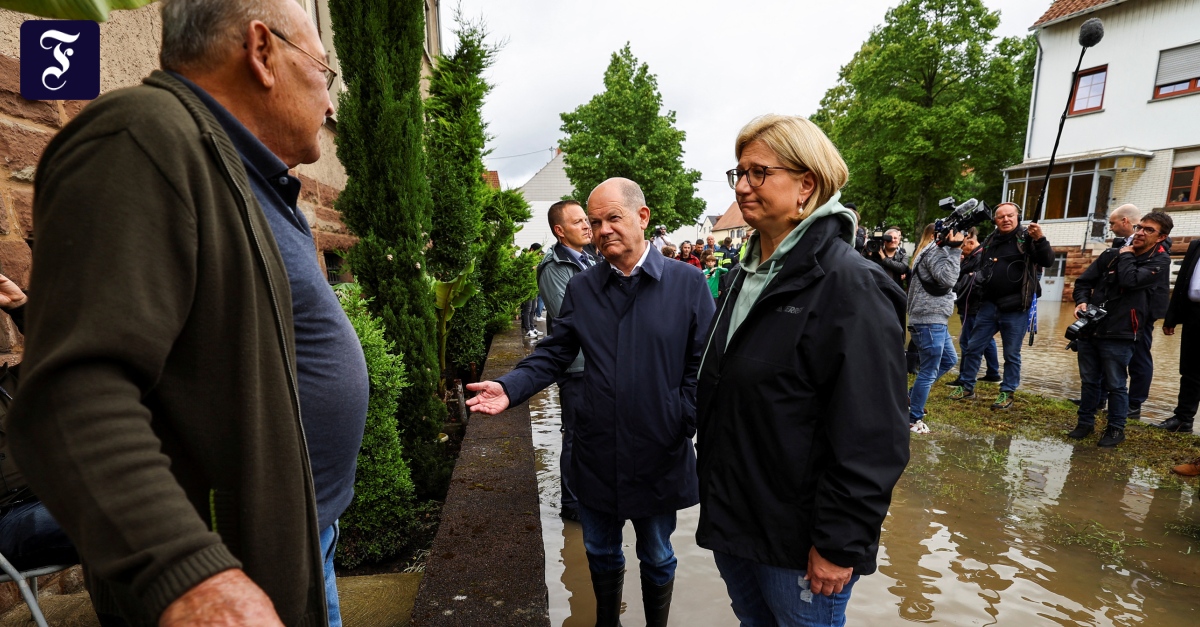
{"x":1091,"y":32}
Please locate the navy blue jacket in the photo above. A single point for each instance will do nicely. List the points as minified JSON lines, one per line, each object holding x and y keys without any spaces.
{"x":633,"y":454}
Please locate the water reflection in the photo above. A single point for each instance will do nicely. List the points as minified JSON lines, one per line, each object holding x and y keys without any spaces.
{"x":982,"y":531}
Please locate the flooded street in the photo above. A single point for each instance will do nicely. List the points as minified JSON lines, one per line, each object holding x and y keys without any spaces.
{"x":995,"y":530}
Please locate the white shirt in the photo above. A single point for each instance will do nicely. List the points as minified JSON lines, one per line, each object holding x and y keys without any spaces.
{"x":660,"y":241}
{"x":638,"y":266}
{"x":1194,"y":286}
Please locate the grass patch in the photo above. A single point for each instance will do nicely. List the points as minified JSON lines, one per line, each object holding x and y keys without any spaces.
{"x":1184,"y":528}
{"x":1096,"y":538}
{"x":1037,"y":417}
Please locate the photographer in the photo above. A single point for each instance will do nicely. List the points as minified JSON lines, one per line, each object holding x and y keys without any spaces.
{"x":1012,"y":260}
{"x":660,"y":238}
{"x":930,"y":303}
{"x":886,"y":251}
{"x":1119,"y":283}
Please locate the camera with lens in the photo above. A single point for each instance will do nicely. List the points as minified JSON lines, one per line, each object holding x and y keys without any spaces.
{"x":876,"y":238}
{"x":962,"y":217}
{"x":1087,"y":318}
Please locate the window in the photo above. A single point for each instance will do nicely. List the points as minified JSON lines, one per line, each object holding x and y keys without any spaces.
{"x":1183,"y":186}
{"x":1178,"y":71}
{"x":1070,"y":194}
{"x":335,"y":270}
{"x":1089,"y":90}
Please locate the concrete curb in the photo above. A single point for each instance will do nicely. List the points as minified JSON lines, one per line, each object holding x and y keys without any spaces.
{"x":487,"y":563}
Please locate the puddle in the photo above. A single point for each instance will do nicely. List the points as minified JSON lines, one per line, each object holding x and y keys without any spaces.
{"x":982,"y":531}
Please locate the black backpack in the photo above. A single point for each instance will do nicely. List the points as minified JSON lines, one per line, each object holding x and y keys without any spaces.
{"x":931,"y":287}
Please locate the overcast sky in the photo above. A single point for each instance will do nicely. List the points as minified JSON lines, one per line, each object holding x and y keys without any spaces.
{"x":718,"y":64}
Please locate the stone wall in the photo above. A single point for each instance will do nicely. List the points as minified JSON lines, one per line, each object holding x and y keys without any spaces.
{"x":129,"y":45}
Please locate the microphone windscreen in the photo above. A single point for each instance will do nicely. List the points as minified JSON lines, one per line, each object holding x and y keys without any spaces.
{"x":1091,"y":32}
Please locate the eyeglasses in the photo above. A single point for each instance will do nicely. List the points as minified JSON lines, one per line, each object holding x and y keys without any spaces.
{"x":1148,"y":230}
{"x":758,"y":174}
{"x":330,"y":74}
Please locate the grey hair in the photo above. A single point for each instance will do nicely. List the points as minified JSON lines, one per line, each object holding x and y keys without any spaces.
{"x":631,"y":193}
{"x":195,"y":33}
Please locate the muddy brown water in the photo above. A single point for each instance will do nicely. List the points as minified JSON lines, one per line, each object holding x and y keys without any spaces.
{"x":982,"y":531}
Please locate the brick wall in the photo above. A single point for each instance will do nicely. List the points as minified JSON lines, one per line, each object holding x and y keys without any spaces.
{"x":25,"y":129}
{"x":1147,"y":189}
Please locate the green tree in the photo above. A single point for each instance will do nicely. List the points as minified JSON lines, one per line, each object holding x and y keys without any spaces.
{"x":928,"y":107}
{"x":375,"y":526}
{"x":455,"y":136}
{"x":387,"y":204}
{"x":620,"y":132}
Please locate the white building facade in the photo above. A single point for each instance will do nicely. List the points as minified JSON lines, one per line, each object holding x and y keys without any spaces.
{"x":1132,"y":134}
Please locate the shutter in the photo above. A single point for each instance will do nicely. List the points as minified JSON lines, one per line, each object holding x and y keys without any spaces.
{"x":1178,"y":64}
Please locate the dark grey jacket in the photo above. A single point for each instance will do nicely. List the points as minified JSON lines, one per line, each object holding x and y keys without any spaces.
{"x":158,"y":417}
{"x":553,"y":274}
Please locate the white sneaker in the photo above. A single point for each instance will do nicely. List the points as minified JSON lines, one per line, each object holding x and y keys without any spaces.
{"x":539,"y":333}
{"x":919,"y":427}
{"x":531,"y":334}
{"x":541,"y":318}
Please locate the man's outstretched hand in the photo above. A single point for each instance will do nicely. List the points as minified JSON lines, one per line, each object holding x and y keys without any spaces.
{"x":490,"y":399}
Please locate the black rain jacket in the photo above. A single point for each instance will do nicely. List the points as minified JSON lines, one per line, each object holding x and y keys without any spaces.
{"x":803,"y":418}
{"x":1123,"y":285}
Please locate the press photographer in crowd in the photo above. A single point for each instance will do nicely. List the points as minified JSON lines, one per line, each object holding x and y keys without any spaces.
{"x":1013,"y":259}
{"x":885,"y":250}
{"x":1112,"y":307}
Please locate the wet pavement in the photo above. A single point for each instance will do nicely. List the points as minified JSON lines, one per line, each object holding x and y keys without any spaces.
{"x":982,"y":531}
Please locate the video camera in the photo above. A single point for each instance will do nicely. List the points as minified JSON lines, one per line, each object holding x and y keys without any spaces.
{"x":876,"y":238}
{"x":1087,"y":317}
{"x":962,"y":217}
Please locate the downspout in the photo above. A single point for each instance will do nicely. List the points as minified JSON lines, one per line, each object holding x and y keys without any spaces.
{"x":1037,"y":75}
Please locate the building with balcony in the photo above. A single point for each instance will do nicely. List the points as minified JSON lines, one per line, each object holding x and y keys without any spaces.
{"x":1130,"y":135}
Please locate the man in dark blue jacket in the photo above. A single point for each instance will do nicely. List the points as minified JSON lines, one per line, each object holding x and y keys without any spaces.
{"x":640,"y":321}
{"x":1120,"y":282}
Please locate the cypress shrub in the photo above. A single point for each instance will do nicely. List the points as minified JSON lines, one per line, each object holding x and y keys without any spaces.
{"x":386,"y":203}
{"x":455,"y":136}
{"x":376,"y":525}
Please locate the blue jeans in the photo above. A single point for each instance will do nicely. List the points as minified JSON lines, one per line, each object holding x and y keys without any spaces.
{"x":30,"y":537}
{"x":602,"y":541}
{"x":1012,"y":327}
{"x":329,"y":539}
{"x":989,"y":351}
{"x":1104,"y":362}
{"x":766,"y":596}
{"x":936,"y":348}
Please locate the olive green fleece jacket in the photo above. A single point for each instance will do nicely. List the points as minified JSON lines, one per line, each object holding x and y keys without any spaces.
{"x":158,"y":418}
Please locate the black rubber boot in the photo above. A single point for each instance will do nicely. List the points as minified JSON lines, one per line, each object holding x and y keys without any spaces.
{"x":657,"y":602}
{"x":607,"y":587}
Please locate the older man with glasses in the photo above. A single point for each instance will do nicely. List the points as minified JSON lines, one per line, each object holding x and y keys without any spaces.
{"x":194,"y":397}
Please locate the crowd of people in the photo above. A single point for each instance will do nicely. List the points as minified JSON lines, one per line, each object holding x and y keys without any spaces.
{"x":792,"y":465}
{"x":792,"y":470}
{"x":173,"y":260}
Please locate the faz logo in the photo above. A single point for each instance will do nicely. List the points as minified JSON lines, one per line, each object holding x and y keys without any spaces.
{"x":60,"y":60}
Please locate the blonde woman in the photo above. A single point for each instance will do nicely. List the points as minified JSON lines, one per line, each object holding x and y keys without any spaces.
{"x":801,"y":398}
{"x":930,"y":304}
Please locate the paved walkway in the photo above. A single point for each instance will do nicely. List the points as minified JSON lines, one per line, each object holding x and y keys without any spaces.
{"x":367,"y":601}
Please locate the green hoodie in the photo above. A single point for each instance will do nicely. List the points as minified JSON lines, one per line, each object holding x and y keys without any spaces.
{"x":760,"y":273}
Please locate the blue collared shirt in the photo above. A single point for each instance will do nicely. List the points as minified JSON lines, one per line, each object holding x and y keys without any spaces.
{"x":330,"y":366}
